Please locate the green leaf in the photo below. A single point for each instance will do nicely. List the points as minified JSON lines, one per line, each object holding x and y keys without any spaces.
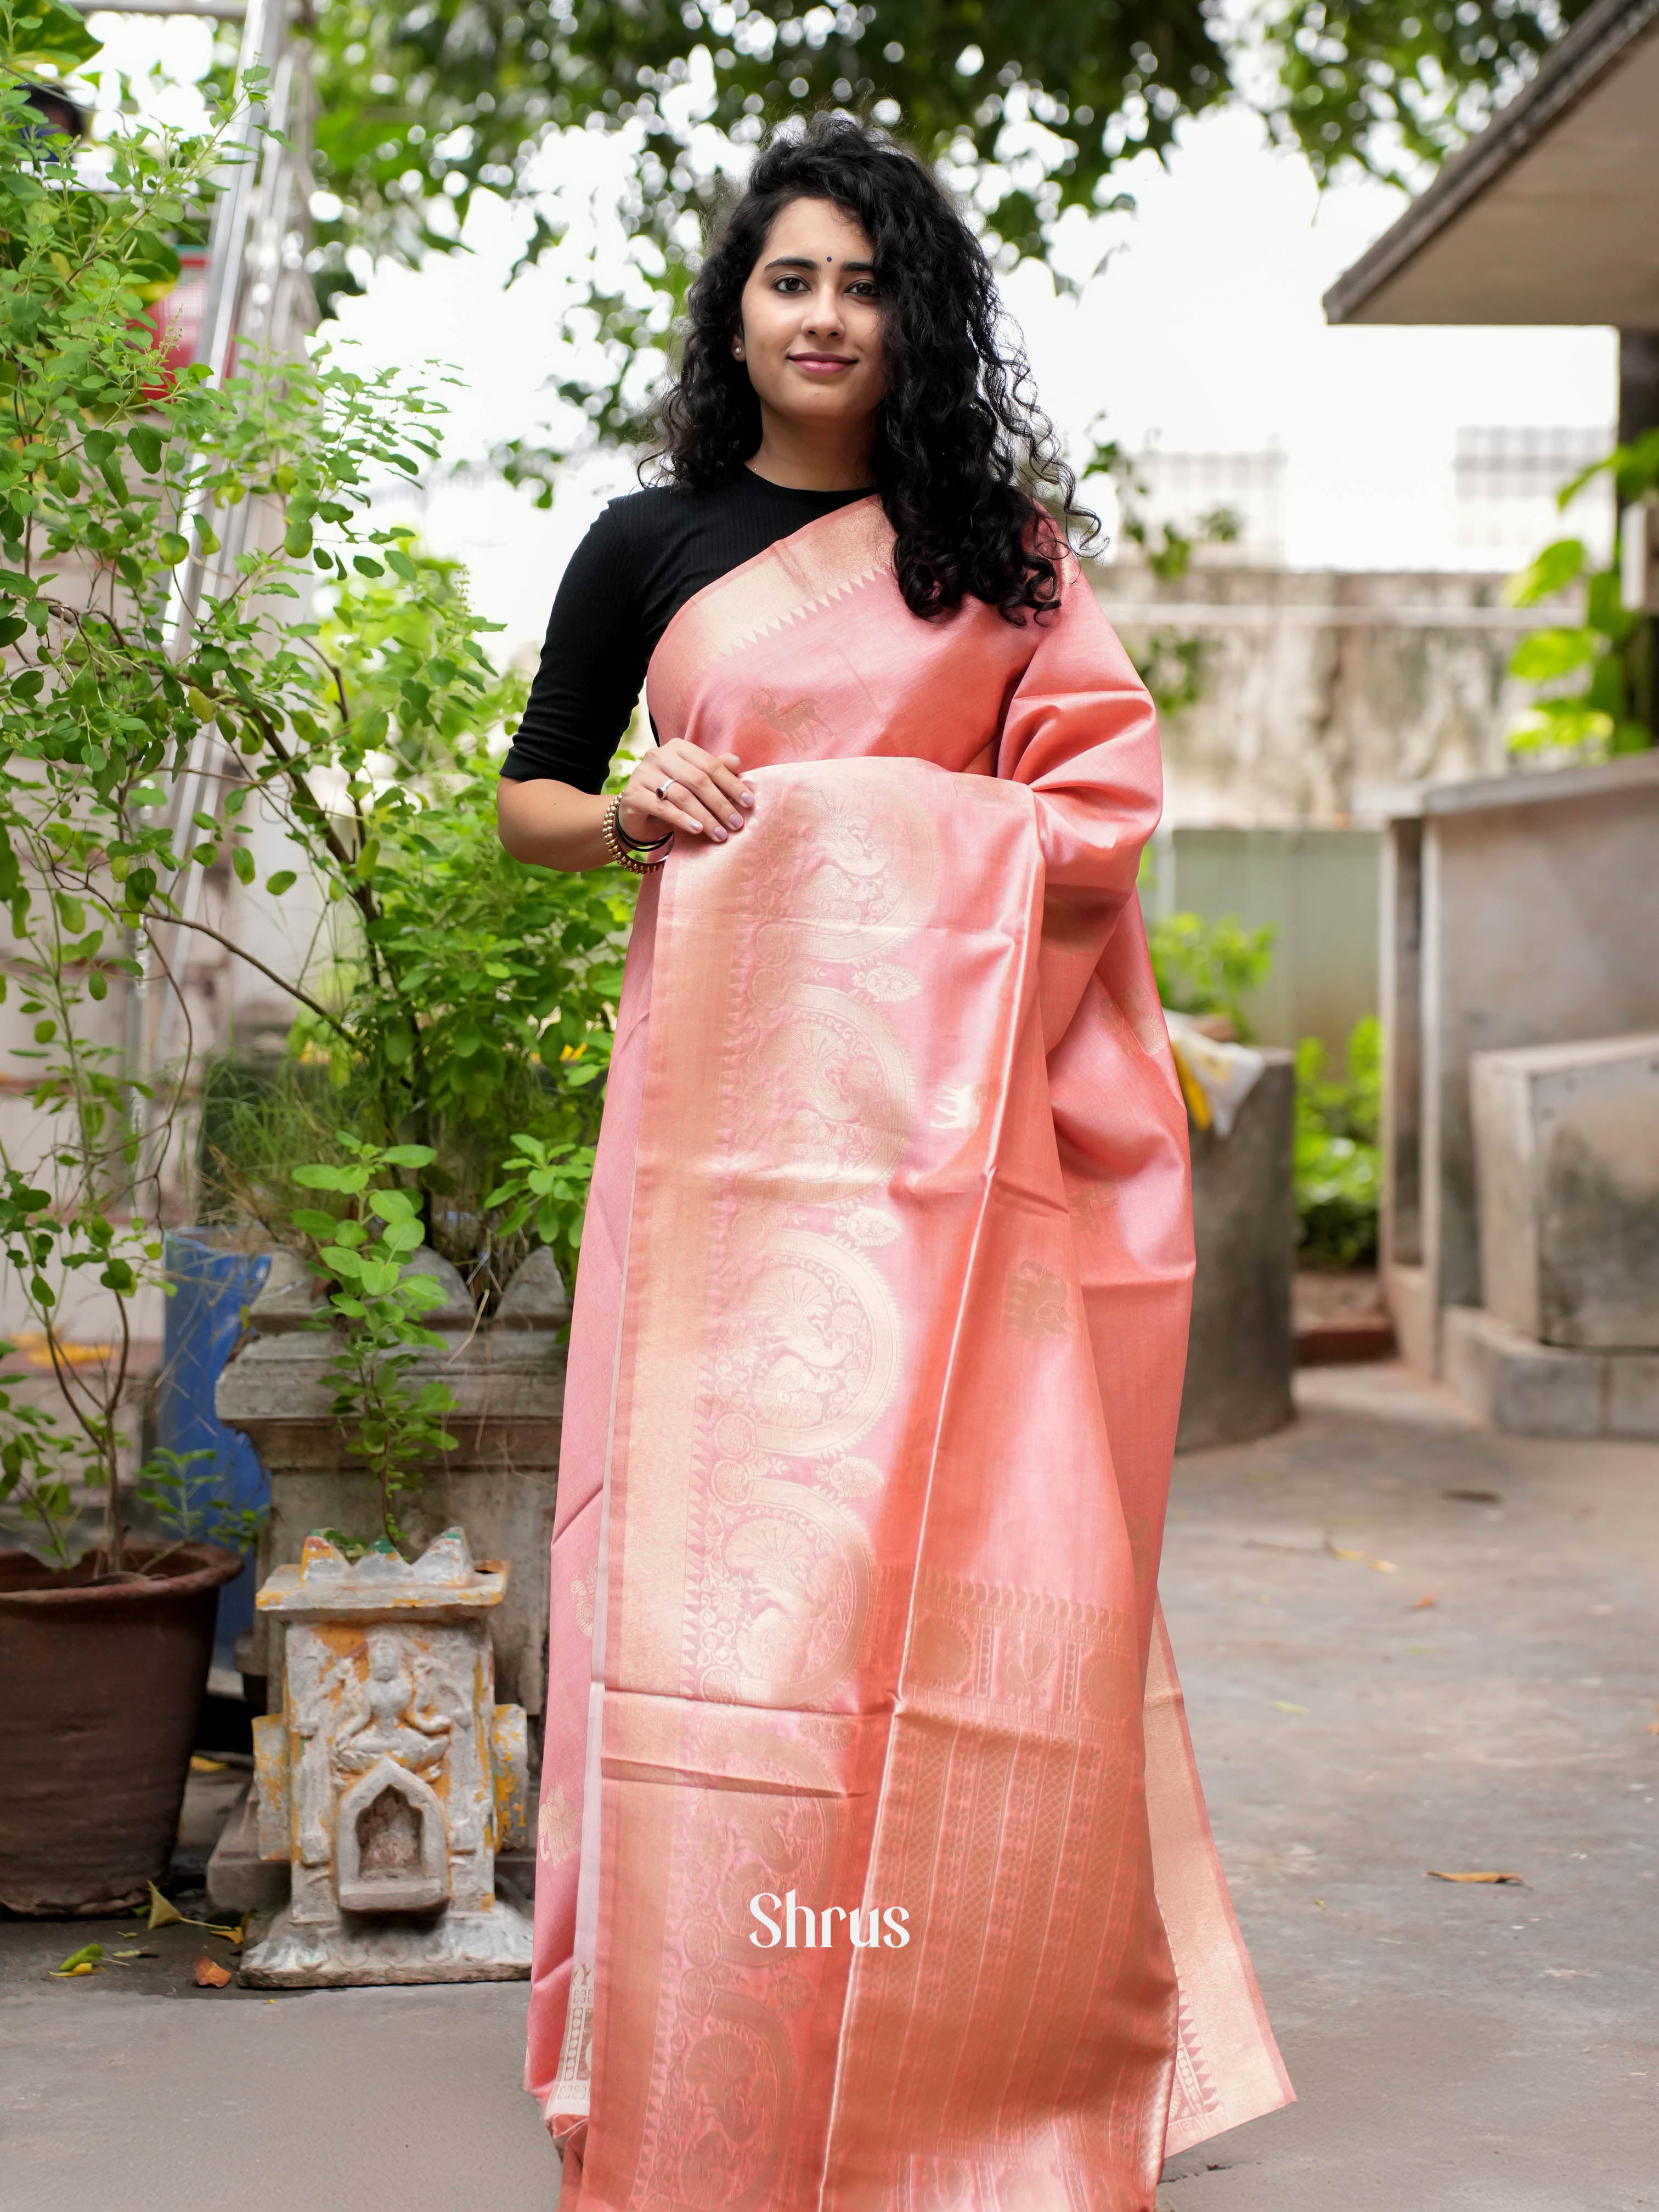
{"x":312,"y":1222}
{"x":1549,"y":654}
{"x":403,"y":1237}
{"x":401,"y":565}
{"x":242,"y":860}
{"x":393,"y":1205}
{"x":323,"y":1178}
{"x":347,"y":1264}
{"x":409,"y":1156}
{"x":1555,"y":568}
{"x":296,"y":539}
{"x":284,"y":880}
{"x":171,"y":547}
{"x":145,"y":441}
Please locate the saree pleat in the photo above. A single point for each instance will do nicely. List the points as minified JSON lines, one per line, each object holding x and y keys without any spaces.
{"x":880,"y":1323}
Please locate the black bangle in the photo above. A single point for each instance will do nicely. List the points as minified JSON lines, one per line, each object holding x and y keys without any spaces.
{"x":619,"y":853}
{"x":639,"y":844}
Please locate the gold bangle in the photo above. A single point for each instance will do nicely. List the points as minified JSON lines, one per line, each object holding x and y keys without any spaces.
{"x":620,"y":855}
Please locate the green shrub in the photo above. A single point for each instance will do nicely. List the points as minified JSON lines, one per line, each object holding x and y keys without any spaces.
{"x":1338,"y":1161}
{"x":1210,"y":967}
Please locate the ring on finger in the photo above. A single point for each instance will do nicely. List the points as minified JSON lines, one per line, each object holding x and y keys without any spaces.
{"x":664,"y":788}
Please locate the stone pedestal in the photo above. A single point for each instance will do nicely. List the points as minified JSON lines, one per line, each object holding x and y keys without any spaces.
{"x":1242,"y":1349}
{"x":1516,"y":912}
{"x":498,"y":1484}
{"x":390,"y":1777}
{"x":1566,"y":1151}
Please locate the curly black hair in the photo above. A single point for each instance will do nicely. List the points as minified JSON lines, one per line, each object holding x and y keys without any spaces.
{"x":967,"y":466}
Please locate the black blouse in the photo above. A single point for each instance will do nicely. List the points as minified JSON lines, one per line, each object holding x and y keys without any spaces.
{"x":642,"y":559}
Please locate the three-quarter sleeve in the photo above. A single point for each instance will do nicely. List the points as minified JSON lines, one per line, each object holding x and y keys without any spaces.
{"x":592,"y":666}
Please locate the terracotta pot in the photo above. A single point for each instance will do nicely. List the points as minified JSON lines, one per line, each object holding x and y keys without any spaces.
{"x":102,"y":1686}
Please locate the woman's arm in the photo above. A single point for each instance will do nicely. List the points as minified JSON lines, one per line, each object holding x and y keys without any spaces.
{"x":678,"y":787}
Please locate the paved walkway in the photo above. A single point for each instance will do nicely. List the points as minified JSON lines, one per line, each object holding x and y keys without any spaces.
{"x":1454,"y":2046}
{"x":1493,"y":2048}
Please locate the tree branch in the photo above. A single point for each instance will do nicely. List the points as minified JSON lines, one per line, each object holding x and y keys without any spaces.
{"x":206,"y":929}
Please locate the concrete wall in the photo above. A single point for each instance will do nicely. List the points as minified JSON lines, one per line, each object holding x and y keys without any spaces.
{"x":1520,"y":910}
{"x":1317,"y":887}
{"x":1322,"y":686}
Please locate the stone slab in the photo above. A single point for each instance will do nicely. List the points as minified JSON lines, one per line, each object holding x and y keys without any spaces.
{"x":1632,"y":1394}
{"x":1566,"y":1143}
{"x":239,"y":1878}
{"x":1531,"y":1389}
{"x":1521,"y":1387}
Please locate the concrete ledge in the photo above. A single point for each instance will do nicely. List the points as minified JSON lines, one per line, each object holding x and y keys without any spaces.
{"x":1410,"y":1301}
{"x":1527,"y":1388}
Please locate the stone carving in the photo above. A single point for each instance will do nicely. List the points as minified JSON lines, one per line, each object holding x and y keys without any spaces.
{"x":390,"y":1778}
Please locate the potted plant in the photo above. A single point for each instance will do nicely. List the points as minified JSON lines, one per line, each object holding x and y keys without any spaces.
{"x":172,"y":704}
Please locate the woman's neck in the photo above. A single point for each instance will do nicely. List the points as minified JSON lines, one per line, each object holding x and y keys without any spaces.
{"x":798,"y":457}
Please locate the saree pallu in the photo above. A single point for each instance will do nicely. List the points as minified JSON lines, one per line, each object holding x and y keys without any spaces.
{"x":880,"y":1329}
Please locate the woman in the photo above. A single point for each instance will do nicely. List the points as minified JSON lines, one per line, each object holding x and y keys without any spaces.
{"x":872,"y":1867}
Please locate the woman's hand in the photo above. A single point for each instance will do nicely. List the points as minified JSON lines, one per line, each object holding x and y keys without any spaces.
{"x":680,"y":787}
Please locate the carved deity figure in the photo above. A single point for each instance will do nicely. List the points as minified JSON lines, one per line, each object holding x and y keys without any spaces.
{"x":387,"y":1723}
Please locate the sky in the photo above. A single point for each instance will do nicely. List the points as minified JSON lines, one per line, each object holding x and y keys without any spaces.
{"x":1202,"y":332}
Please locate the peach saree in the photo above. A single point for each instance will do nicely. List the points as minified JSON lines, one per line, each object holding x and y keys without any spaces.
{"x":879,"y":1333}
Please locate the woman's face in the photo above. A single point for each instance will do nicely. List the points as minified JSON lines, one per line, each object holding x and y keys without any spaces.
{"x":811,"y":328}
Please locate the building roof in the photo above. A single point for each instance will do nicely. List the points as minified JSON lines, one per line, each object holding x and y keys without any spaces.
{"x":1551,"y":213}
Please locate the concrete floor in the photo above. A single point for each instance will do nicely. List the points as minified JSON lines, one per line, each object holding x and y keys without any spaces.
{"x":1454,"y":2047}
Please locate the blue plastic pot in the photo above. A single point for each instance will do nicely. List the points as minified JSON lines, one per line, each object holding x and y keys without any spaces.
{"x":214,"y":1287}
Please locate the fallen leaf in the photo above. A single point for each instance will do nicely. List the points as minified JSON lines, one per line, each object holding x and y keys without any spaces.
{"x":1423,"y":1603}
{"x":209,"y":1974}
{"x":1320,"y":1902}
{"x":200,"y":1765}
{"x":1342,"y":1551}
{"x":1433,"y":1874}
{"x":1280,"y":1705}
{"x":1474,"y":1496}
{"x":87,"y":1960}
{"x":1653,"y":1727}
{"x":161,"y":1913}
{"x":125,"y":1955}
